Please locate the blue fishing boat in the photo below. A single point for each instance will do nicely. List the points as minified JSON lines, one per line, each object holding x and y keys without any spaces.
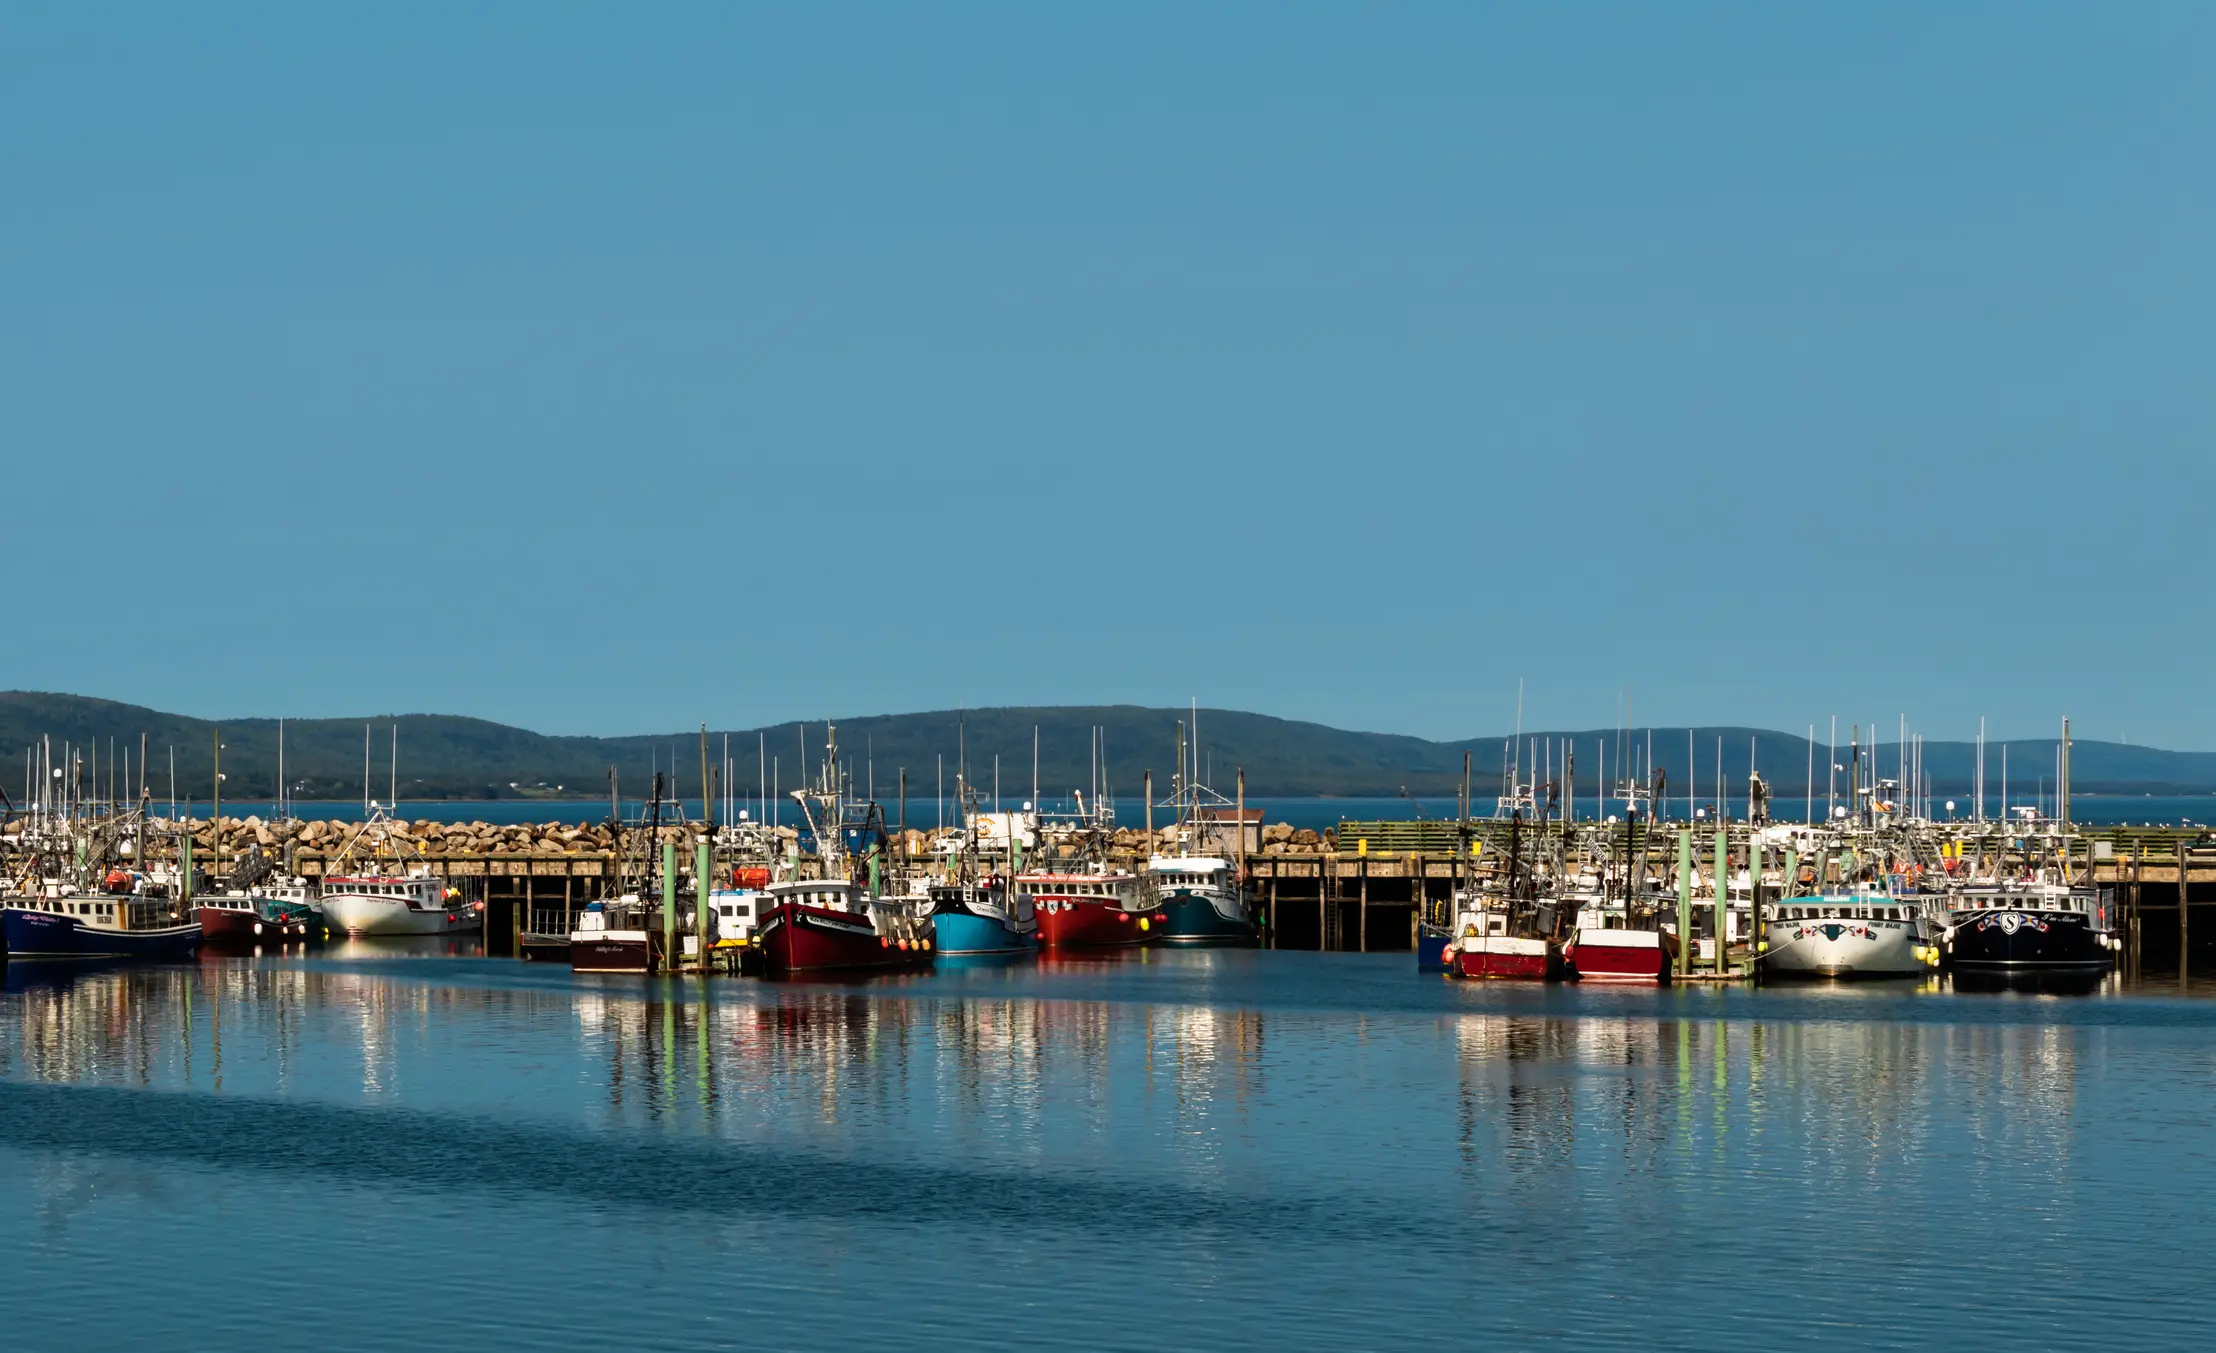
{"x":1432,"y":943}
{"x":97,"y":926}
{"x":983,"y":917}
{"x":1201,"y":895}
{"x":1201,"y":900}
{"x":974,"y":911}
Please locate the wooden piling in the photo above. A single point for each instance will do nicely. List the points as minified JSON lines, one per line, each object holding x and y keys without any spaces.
{"x":1685,"y":901}
{"x":1723,"y":896}
{"x":1323,"y":906}
{"x":2131,"y":922}
{"x":2184,"y":906}
{"x":1362,"y":908}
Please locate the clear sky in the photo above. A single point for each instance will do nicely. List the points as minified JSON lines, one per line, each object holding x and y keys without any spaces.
{"x":610,"y":368}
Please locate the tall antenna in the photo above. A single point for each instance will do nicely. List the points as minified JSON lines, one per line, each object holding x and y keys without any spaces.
{"x":1194,"y":778}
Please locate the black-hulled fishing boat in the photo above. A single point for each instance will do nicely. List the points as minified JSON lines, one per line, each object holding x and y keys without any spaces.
{"x":1199,"y":894}
{"x":2039,"y":928}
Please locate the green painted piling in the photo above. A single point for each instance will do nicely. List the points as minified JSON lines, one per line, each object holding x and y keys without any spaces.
{"x":669,"y":904}
{"x":1723,"y":897}
{"x":1685,"y":901}
{"x":704,"y":865}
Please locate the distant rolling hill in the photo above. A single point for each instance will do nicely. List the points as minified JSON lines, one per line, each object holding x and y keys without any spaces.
{"x":452,"y":757}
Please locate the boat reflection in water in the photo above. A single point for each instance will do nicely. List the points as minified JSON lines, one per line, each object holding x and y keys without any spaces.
{"x":1205,"y":1134}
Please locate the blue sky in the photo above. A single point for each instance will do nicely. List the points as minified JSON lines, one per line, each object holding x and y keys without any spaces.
{"x":607,"y":368}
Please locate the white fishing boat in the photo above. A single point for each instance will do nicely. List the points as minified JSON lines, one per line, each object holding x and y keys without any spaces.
{"x":392,"y":904}
{"x":1853,"y":934}
{"x":735,"y":912}
{"x":372,"y":888}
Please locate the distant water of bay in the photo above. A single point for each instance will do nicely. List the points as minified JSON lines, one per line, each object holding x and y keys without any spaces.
{"x":1312,"y":813}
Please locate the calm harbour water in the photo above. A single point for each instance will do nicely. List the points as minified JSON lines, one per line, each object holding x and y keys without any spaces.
{"x":418,"y":1148}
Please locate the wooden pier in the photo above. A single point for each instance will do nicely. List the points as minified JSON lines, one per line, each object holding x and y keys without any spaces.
{"x":1366,"y":886}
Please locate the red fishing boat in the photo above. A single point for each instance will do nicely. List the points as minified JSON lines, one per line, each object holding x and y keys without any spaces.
{"x":238,"y":919}
{"x":1604,"y":955}
{"x":826,"y":925}
{"x":1516,"y":958}
{"x":838,"y":922}
{"x":1091,"y":910}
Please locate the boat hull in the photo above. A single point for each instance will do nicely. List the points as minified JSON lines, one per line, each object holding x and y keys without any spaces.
{"x":1431,"y":950}
{"x":2010,"y":941}
{"x":544,"y":949}
{"x":1634,"y":956}
{"x":1193,"y":919}
{"x":961,"y":932}
{"x":1084,"y":923}
{"x":239,"y":926}
{"x":1508,"y":958}
{"x":1839,"y":947}
{"x":35,"y":936}
{"x":359,"y":915}
{"x":613,"y":951}
{"x":795,"y":938}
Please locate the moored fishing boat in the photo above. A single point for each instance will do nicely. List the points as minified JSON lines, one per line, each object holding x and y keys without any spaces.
{"x":982,"y":916}
{"x":1618,"y":935}
{"x":1602,"y":954}
{"x":96,"y":926}
{"x":2032,"y":928}
{"x":248,"y":919}
{"x":1200,"y":901}
{"x":1507,"y":928}
{"x":1199,"y":894}
{"x":536,"y":946}
{"x":734,"y":913}
{"x":824,"y":925}
{"x":1107,"y":909}
{"x":615,"y":936}
{"x":1083,"y":900}
{"x":391,"y":895}
{"x":393,"y":904}
{"x":973,"y":912}
{"x":1520,"y":958}
{"x":1433,"y":943}
{"x":842,"y":921}
{"x":81,"y":890}
{"x":1854,"y":934}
